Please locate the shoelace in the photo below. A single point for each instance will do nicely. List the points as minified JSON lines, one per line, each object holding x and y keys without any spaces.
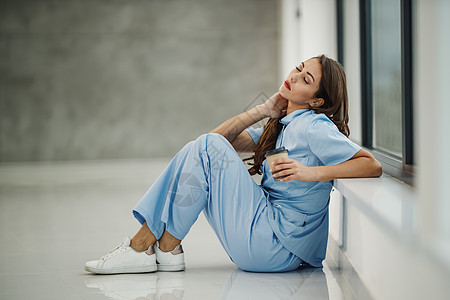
{"x":119,"y":249}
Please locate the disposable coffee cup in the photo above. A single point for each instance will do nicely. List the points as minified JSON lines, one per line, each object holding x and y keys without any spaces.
{"x":275,"y":154}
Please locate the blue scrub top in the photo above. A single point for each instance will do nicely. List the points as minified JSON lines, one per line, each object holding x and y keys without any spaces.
{"x":298,"y":211}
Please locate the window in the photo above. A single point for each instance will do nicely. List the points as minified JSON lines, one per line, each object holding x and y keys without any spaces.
{"x":385,"y":38}
{"x":385,"y":47}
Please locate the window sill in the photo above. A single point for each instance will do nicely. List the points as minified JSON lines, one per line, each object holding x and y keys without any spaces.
{"x":374,"y":224}
{"x":389,"y":202}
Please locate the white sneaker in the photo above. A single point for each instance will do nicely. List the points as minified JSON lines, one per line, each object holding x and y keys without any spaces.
{"x":171,"y":260}
{"x":124,"y":259}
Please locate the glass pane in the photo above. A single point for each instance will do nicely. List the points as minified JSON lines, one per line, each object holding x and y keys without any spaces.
{"x":387,"y":76}
{"x":352,"y":66}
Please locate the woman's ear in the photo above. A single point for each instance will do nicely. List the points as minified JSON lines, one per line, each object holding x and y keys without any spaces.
{"x":316,"y":102}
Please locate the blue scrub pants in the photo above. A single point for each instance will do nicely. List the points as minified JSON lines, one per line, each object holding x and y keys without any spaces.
{"x":208,"y":175}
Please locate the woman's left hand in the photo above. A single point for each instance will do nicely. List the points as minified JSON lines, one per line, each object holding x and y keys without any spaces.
{"x":292,"y":169}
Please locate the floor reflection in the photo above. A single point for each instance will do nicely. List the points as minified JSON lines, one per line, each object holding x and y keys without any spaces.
{"x":307,"y":283}
{"x":155,"y":286}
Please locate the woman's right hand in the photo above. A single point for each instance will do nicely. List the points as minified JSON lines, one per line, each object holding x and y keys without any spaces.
{"x":275,"y":106}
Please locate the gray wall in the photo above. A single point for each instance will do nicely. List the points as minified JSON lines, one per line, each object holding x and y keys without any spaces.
{"x":100,"y":79}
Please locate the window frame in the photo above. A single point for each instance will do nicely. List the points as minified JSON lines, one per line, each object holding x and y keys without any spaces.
{"x":402,"y":168}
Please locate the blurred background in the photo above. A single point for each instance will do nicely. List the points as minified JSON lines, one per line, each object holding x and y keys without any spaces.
{"x":96,"y":96}
{"x":128,"y":79}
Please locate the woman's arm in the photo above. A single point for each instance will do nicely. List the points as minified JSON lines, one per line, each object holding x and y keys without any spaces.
{"x":244,"y":143}
{"x":362,"y":164}
{"x":232,"y":129}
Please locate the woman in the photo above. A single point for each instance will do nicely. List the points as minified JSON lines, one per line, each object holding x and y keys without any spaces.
{"x":273,"y":227}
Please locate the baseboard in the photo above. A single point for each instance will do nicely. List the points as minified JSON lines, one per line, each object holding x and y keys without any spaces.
{"x":348,"y":279}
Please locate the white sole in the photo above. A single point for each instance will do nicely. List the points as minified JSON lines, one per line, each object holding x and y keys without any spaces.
{"x":171,"y":268}
{"x":124,"y":270}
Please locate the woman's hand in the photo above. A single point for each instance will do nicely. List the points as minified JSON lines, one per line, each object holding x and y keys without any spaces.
{"x":292,"y":169}
{"x":275,"y":106}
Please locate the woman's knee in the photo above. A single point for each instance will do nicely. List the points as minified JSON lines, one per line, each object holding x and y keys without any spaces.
{"x":211,"y":138}
{"x":188,"y":145}
{"x":214,"y":142}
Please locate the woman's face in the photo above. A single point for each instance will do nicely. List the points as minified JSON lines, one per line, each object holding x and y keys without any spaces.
{"x":301,"y":85}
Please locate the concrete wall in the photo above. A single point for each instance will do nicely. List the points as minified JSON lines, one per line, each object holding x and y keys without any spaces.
{"x":122,"y":79}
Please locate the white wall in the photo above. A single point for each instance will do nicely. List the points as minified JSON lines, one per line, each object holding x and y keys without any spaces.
{"x":289,"y":42}
{"x":317,"y":28}
{"x":432,"y":106}
{"x":311,"y":33}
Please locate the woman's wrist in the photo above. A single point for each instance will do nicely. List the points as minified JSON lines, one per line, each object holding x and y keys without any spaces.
{"x":325,"y":173}
{"x":319,"y":173}
{"x":261,"y":111}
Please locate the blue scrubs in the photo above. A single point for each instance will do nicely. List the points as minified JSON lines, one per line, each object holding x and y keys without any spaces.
{"x":273,"y":227}
{"x":208,"y":174}
{"x":298,"y":213}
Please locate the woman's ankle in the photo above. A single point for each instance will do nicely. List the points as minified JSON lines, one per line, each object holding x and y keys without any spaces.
{"x":143,"y":239}
{"x":168,"y":242}
{"x":139,"y":245}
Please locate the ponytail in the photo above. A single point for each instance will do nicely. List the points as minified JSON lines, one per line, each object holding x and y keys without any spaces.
{"x":265,"y":143}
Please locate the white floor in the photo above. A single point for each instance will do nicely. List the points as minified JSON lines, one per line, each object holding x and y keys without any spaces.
{"x":56,"y":216}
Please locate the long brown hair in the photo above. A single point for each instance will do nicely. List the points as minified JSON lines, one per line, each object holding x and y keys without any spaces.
{"x":332,"y":89}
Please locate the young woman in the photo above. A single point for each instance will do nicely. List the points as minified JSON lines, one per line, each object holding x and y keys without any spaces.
{"x":272,"y":227}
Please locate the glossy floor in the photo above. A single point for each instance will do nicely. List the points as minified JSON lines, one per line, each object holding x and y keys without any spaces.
{"x":54,"y":217}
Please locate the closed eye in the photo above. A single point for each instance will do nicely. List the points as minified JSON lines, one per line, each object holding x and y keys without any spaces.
{"x":304,"y":79}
